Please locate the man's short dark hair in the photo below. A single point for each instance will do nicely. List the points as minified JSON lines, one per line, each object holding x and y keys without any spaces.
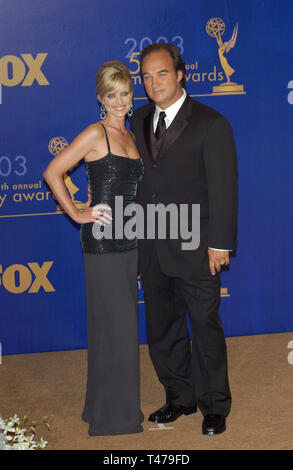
{"x":178,"y":62}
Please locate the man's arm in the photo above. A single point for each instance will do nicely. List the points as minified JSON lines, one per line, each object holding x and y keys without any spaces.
{"x":221,"y":169}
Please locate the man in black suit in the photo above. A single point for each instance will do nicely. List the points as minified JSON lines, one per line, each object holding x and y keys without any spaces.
{"x":190,"y":158}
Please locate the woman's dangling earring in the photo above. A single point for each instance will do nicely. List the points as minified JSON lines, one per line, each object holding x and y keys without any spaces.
{"x":103,"y":113}
{"x":130,"y":112}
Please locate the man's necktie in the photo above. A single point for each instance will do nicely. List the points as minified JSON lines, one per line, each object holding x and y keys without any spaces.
{"x":161,"y":127}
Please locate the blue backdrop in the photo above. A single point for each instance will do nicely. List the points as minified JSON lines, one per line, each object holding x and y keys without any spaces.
{"x":49,"y":55}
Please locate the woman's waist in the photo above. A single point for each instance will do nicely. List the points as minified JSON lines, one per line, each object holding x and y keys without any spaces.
{"x":96,"y":239}
{"x":114,"y":202}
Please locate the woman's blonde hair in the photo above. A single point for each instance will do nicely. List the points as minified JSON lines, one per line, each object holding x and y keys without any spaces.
{"x":112,"y":75}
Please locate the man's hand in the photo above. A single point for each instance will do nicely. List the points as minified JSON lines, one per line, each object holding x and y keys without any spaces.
{"x":217,"y":259}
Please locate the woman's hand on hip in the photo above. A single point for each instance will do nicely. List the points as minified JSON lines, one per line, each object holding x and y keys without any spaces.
{"x":100,"y":214}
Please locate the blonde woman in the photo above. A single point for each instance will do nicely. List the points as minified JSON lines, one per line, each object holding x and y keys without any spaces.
{"x":112,"y":403}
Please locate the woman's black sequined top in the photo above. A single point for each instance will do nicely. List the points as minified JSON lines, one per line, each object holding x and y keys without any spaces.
{"x":111,"y":176}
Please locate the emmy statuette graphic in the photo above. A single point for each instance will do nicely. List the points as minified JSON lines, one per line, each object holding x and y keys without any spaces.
{"x":56,"y":145}
{"x":215,"y":28}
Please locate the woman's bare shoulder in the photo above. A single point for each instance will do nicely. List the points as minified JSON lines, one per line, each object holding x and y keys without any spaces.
{"x":95,"y":135}
{"x":95,"y":130}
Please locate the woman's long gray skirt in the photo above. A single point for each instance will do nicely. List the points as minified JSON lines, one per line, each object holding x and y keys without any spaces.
{"x":112,"y":404}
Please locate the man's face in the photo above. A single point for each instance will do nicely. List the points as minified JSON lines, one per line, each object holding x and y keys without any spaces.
{"x":160,"y":79}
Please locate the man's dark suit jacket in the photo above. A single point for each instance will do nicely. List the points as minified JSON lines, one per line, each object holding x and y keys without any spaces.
{"x":195,"y":163}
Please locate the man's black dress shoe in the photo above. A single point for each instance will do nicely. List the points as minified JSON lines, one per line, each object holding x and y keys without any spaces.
{"x":169,"y":413}
{"x":214,"y":424}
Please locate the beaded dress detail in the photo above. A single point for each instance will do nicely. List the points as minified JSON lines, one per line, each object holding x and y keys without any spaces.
{"x":110,"y":176}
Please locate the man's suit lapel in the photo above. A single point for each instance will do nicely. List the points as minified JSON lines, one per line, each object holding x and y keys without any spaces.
{"x":159,"y":149}
{"x":152,"y":144}
{"x":177,"y":127}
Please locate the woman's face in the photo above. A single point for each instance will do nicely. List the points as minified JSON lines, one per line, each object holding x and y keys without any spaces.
{"x":117,"y":102}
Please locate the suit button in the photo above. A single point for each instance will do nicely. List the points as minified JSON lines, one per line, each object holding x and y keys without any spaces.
{"x":154,"y":195}
{"x":154,"y":165}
